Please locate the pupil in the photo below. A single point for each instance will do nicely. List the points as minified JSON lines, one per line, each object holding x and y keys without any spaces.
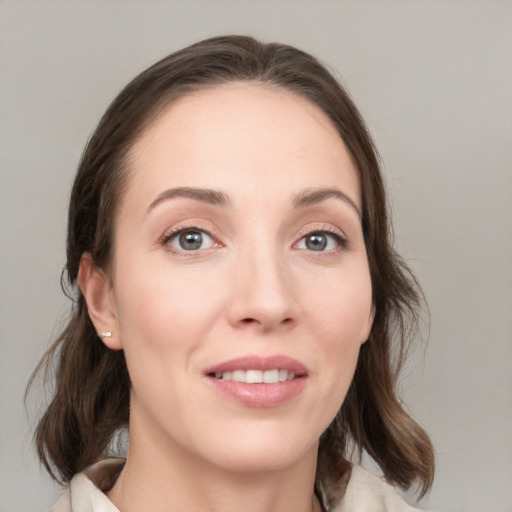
{"x":316,"y":242}
{"x":191,"y":240}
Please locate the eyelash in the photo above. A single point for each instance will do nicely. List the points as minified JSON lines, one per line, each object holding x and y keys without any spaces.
{"x":168,"y":237}
{"x":340,"y":240}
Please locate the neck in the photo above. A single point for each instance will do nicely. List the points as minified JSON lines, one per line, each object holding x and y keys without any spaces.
{"x":161,"y":480}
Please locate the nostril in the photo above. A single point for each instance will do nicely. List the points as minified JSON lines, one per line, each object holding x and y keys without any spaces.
{"x":248,"y":321}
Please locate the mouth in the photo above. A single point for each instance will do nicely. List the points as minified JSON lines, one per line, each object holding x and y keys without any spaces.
{"x":254,"y":381}
{"x":259,"y":370}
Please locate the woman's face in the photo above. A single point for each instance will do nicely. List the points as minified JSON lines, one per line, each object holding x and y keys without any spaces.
{"x":239,"y":258}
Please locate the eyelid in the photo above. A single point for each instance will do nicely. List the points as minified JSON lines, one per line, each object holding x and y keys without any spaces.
{"x":327,"y":229}
{"x":175,"y":231}
{"x":205,"y":239}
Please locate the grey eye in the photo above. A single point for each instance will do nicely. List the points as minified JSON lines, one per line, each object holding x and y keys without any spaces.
{"x":191,"y":240}
{"x":316,"y":241}
{"x":320,"y":241}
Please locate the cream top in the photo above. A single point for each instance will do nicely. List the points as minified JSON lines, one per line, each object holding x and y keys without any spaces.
{"x":365,"y":492}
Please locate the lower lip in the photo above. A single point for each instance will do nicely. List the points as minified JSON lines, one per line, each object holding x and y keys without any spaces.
{"x":260,"y":395}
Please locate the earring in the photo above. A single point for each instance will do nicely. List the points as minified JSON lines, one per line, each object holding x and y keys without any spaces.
{"x":106,"y":334}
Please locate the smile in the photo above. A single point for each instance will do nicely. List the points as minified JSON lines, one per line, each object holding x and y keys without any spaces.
{"x":261,"y":382}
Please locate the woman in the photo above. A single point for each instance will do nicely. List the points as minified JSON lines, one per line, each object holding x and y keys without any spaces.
{"x":239,"y":307}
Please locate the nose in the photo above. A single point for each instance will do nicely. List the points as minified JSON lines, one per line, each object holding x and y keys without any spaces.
{"x":263,"y":294}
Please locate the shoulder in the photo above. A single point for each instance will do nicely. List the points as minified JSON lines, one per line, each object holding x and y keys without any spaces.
{"x":369,"y":493}
{"x":85,"y":491}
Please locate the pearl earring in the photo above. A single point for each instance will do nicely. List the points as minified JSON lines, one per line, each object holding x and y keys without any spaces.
{"x":106,"y":334}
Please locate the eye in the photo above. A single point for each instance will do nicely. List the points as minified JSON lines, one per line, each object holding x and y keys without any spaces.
{"x":321,"y":241}
{"x":190,"y":240}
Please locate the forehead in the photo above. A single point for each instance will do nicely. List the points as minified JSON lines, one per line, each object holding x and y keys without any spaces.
{"x":244,"y":138}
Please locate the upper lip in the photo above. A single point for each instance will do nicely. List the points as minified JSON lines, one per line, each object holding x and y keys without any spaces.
{"x":253,"y":362}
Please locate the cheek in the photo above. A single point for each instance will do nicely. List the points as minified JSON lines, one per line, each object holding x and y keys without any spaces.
{"x":164,"y":313}
{"x":341,"y":306}
{"x":339,"y":314}
{"x":162,"y":320}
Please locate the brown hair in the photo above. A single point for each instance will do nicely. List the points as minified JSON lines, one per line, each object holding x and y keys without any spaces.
{"x":92,"y":385}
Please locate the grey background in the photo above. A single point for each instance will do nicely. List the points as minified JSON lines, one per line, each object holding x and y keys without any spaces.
{"x":434,"y":81}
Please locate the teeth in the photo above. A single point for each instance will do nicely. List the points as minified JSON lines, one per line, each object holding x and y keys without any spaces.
{"x":257,"y":376}
{"x":254,"y":376}
{"x":238,"y":375}
{"x":271,"y":376}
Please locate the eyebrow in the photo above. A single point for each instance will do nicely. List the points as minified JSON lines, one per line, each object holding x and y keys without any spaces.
{"x":312,"y":196}
{"x":204,"y":195}
{"x":307,"y":197}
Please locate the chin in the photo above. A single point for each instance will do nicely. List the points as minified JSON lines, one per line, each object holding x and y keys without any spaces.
{"x":262,"y":453}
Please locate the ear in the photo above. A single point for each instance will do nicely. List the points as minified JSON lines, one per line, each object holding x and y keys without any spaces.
{"x":367,"y":328}
{"x":97,"y":290}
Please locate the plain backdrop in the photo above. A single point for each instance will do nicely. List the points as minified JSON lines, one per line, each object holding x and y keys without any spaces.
{"x":434,"y":82}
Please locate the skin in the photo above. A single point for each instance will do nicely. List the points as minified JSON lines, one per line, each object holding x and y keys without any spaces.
{"x":255,"y":287}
